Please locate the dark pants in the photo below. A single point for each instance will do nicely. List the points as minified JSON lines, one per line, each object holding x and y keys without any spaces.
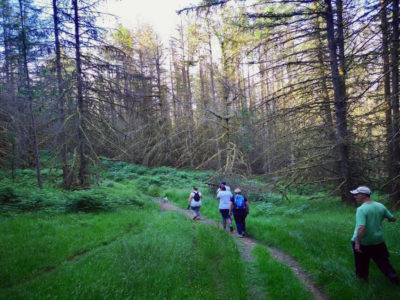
{"x":240,"y":220}
{"x":225,"y":217}
{"x":379,"y":255}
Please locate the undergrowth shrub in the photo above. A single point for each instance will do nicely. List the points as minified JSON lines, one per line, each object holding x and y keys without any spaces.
{"x":29,"y":199}
{"x":108,"y":183}
{"x":268,"y":197}
{"x":8,"y":195}
{"x":166,"y":170}
{"x":154,"y":190}
{"x":87,"y":201}
{"x":263,"y":209}
{"x":270,"y":208}
{"x":175,"y":194}
{"x":183,"y":175}
{"x":30,"y":202}
{"x":155,"y":180}
{"x":144,"y":182}
{"x":118,"y":199}
{"x":134,"y":200}
{"x":114,"y":165}
{"x":140,"y":170}
{"x":117,"y":176}
{"x":305,"y":189}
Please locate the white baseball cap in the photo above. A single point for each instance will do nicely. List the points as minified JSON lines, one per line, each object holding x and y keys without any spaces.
{"x":361,"y":190}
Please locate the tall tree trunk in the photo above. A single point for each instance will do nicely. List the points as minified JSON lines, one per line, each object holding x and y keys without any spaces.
{"x":386,"y":82}
{"x":81,"y":107}
{"x":29,"y":93}
{"x":395,"y":189}
{"x":161,"y":103}
{"x":10,"y":84}
{"x":174,"y":106}
{"x":5,"y":9}
{"x":326,"y":101}
{"x":264,"y":114}
{"x":214,"y":100}
{"x":203,"y":94}
{"x":340,"y":38}
{"x":339,"y":89}
{"x":60,"y":96}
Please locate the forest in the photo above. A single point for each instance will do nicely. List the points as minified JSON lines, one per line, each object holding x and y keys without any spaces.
{"x":300,"y":92}
{"x":295,"y":101}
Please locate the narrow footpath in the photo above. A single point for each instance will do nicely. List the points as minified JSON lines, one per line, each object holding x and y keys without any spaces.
{"x":249,"y":243}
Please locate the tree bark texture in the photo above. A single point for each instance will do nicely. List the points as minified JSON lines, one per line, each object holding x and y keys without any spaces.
{"x":395,"y":184}
{"x":81,"y":107}
{"x":386,"y":87}
{"x":60,"y":95}
{"x":29,"y":93}
{"x":340,"y":103}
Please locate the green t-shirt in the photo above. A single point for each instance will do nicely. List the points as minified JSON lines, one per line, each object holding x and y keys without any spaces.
{"x":371,"y":215}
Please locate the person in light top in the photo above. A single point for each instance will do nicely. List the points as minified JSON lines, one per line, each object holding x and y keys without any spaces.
{"x":194,"y":202}
{"x":223,"y":183}
{"x":224,"y":198}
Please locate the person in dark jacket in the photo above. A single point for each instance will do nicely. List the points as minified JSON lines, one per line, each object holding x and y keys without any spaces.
{"x":239,"y":206}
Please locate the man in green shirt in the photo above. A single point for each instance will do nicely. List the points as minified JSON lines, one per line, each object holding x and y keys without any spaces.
{"x":368,"y":239}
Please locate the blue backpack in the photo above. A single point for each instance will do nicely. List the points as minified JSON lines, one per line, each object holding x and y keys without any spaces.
{"x":239,"y":202}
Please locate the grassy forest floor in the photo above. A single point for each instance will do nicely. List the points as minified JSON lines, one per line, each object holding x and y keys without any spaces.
{"x":114,"y":241}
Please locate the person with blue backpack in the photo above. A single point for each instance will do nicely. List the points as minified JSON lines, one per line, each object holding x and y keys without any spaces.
{"x":239,"y":206}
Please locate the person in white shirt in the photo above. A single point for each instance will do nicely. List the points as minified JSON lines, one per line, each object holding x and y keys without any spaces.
{"x":224,"y":198}
{"x":194,"y":202}
{"x":223,"y":183}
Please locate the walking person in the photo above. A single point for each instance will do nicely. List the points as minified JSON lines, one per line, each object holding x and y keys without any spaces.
{"x":223,"y":183}
{"x":367,"y":240}
{"x":194,"y":203}
{"x":239,"y":206}
{"x":224,"y":198}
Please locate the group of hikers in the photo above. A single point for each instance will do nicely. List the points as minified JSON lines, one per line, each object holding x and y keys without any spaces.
{"x":367,"y":241}
{"x":229,"y":204}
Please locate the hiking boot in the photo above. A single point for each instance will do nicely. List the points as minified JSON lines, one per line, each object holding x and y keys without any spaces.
{"x":240,"y":235}
{"x":195,"y":217}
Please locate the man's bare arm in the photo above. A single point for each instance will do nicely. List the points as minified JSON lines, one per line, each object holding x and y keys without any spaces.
{"x":360,"y":235}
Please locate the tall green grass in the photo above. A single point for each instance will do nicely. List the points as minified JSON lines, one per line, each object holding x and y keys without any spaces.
{"x":275,"y":279}
{"x":35,"y":242}
{"x":127,"y":250}
{"x":317,"y":234}
{"x":278,"y":280}
{"x":169,"y":260}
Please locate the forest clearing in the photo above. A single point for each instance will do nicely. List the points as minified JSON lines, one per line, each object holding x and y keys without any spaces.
{"x":114,"y":241}
{"x":114,"y":112}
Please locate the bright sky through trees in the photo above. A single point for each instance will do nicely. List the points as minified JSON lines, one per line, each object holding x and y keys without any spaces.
{"x":161,"y":14}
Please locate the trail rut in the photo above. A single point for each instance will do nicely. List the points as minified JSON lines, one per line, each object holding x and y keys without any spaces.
{"x":249,"y":243}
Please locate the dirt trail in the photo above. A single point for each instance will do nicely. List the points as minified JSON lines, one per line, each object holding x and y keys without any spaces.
{"x":249,"y":243}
